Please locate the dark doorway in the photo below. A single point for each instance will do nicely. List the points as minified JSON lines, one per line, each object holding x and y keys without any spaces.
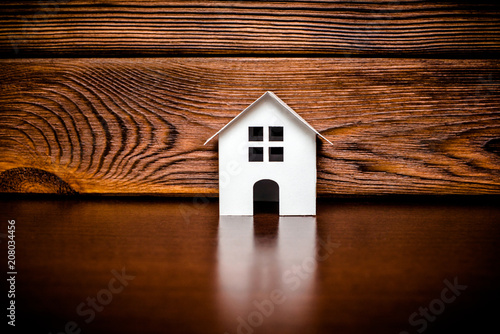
{"x":266,"y":197}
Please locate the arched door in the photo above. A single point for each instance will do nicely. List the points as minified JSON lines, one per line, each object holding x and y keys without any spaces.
{"x":266,"y":194}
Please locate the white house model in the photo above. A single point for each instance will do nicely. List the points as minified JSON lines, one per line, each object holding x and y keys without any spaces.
{"x":267,"y":153}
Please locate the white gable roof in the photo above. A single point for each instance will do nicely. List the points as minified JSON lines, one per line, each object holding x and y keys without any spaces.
{"x":271,"y":94}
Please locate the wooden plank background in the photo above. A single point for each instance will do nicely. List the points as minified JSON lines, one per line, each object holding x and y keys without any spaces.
{"x":416,"y":111}
{"x":138,"y":125}
{"x":135,"y":28}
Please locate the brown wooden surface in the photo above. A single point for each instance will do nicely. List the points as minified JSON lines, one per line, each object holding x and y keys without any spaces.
{"x":137,"y":126}
{"x":196,"y":275}
{"x":130,"y":28}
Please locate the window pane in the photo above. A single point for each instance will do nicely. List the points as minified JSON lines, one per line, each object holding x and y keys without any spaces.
{"x":255,"y":154}
{"x":255,"y":133}
{"x":275,"y":153}
{"x":275,"y":133}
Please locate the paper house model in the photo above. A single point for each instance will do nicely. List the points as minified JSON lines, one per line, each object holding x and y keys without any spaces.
{"x":267,"y":153}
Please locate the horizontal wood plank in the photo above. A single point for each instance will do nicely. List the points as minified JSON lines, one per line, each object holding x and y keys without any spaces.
{"x":158,"y":28}
{"x":137,"y":126}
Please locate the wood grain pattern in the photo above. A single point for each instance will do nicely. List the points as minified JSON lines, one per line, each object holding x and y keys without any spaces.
{"x":131,"y":28}
{"x":136,"y":126}
{"x":29,"y":180}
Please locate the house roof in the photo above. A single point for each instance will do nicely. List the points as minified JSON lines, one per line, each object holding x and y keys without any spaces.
{"x":271,"y":94}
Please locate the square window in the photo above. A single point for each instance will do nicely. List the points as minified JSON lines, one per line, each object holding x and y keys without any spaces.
{"x":275,"y":153}
{"x":255,"y":133}
{"x":275,"y":133}
{"x":255,"y":154}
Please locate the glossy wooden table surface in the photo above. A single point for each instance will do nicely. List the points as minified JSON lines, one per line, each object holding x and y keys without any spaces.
{"x":173,"y":266}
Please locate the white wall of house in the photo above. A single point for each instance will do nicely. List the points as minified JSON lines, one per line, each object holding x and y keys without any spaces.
{"x":296,"y":175}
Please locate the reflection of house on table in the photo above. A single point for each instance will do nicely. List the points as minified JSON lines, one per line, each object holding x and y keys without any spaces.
{"x":267,"y":153}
